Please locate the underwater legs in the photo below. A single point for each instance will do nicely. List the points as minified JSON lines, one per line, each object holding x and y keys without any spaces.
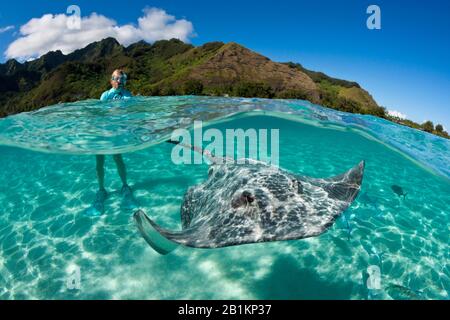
{"x":121,"y":169}
{"x":100,"y":159}
{"x":128,"y":200}
{"x":98,"y":207}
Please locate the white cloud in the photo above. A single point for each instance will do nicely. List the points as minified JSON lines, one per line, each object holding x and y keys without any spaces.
{"x":396,"y":114}
{"x":51,"y":32}
{"x":5,"y":29}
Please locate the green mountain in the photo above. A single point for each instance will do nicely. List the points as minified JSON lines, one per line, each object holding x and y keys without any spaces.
{"x":171,"y":67}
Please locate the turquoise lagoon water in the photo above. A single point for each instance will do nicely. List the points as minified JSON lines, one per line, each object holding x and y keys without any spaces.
{"x":48,"y":180}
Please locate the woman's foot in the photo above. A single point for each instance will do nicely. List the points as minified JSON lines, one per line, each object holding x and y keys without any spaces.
{"x":128,"y":200}
{"x":98,"y":207}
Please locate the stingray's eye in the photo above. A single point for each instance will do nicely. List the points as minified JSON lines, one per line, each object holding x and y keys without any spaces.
{"x":243,"y":199}
{"x":296,"y":184}
{"x":299,"y":187}
{"x":248,"y":196}
{"x":210,"y":171}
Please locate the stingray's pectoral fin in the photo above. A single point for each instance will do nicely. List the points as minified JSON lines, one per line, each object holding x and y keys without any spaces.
{"x":341,"y":191}
{"x":344,"y":187}
{"x":152,"y":234}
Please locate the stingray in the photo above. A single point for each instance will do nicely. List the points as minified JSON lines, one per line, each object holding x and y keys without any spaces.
{"x":253,"y":202}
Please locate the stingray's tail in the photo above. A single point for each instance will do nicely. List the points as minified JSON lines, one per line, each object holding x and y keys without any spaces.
{"x":193,"y":148}
{"x":200,"y":150}
{"x":161,"y":244}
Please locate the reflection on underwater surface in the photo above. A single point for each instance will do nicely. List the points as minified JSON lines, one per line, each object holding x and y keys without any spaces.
{"x":43,"y":232}
{"x":95,"y":127}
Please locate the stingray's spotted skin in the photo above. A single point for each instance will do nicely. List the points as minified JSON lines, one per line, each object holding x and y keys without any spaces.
{"x":255,"y":202}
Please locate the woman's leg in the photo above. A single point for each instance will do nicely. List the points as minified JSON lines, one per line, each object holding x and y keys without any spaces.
{"x":101,"y":171}
{"x":128,"y":201}
{"x":121,"y":169}
{"x":98,"y":206}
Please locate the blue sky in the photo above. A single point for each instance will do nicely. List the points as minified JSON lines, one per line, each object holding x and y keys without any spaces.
{"x":405,"y":65}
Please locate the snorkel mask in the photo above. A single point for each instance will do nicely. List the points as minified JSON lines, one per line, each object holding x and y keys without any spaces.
{"x":122,"y":78}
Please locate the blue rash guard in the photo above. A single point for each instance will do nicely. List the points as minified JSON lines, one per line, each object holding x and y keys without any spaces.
{"x":115,"y":94}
